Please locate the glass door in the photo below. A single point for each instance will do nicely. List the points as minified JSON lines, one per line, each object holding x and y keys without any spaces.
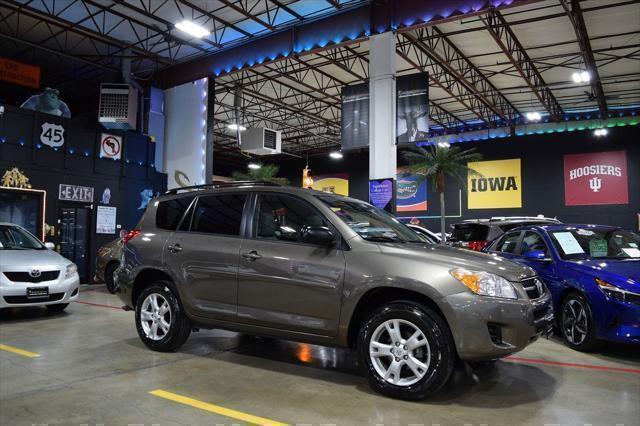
{"x":74,"y":234}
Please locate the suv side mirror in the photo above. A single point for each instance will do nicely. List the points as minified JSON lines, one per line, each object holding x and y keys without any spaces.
{"x":536,"y":255}
{"x":49,"y":245}
{"x":318,"y":235}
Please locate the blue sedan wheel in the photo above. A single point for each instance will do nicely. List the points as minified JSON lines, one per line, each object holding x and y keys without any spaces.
{"x":577,"y":324}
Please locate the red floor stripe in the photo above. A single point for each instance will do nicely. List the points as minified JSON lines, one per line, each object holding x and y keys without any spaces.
{"x":571,"y":364}
{"x":99,"y":305}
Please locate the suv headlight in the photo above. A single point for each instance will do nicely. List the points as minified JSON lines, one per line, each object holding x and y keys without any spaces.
{"x":485,"y":283}
{"x":71,"y":270}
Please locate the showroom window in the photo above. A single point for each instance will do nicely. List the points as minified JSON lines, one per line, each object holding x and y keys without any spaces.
{"x":281,"y":217}
{"x":170,"y":212}
{"x":219,"y":214}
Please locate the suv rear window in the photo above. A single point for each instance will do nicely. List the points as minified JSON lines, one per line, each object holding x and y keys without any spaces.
{"x":470,"y":232}
{"x":170,"y":212}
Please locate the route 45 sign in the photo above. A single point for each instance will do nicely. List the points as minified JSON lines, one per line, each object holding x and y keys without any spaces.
{"x":52,"y":134}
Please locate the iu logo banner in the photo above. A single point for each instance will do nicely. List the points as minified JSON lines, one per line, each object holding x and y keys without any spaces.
{"x":598,"y":178}
{"x":498,"y":187}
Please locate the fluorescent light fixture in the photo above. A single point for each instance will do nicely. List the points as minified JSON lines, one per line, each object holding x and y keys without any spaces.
{"x":336,"y":155}
{"x":192,"y":29}
{"x":254,"y":166}
{"x":234,"y":126}
{"x":533,"y":116}
{"x":601,"y":132}
{"x":444,"y":144}
{"x":581,"y":77}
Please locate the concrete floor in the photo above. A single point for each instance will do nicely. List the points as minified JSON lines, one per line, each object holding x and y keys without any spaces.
{"x":93,"y":369}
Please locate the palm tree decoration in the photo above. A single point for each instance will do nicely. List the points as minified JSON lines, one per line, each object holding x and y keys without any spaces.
{"x":438,"y":162}
{"x":266,"y":173}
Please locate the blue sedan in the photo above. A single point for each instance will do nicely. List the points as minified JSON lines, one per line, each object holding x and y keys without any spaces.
{"x":593,"y":273}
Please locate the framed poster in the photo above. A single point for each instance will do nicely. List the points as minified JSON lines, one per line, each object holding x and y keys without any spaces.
{"x":106,"y":220}
{"x":595,"y":179}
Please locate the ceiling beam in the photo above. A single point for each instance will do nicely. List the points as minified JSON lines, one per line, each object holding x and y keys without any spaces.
{"x":504,"y":36}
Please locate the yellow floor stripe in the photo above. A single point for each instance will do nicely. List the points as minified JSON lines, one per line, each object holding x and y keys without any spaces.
{"x":238,"y":415}
{"x":18,"y":351}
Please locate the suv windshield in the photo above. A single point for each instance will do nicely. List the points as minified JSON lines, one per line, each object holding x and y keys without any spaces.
{"x":594,"y":243}
{"x":14,"y":238}
{"x":371,"y":223}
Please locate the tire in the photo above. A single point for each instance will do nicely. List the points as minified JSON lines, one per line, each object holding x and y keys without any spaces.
{"x":172,"y":326}
{"x":58,"y":307}
{"x":108,"y":277}
{"x":434,"y":348}
{"x":577,"y":334}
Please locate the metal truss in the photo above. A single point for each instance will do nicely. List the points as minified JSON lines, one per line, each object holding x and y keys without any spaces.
{"x":504,"y":36}
{"x":574,"y":12}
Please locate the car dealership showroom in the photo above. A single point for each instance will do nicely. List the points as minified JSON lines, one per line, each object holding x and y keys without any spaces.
{"x":319,"y":212}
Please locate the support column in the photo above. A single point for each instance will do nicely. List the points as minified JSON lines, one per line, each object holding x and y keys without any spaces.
{"x":382,"y":106}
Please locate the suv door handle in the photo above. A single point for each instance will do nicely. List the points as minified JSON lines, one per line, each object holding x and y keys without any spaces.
{"x":252,"y":255}
{"x":176,"y":248}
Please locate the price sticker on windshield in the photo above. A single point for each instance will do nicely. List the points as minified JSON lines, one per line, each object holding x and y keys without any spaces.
{"x":598,"y":248}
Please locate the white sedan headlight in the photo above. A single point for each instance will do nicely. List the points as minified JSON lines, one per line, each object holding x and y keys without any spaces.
{"x":485,"y":283}
{"x":71,"y":270}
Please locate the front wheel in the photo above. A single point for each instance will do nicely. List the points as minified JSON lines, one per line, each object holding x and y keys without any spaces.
{"x":577,"y":327}
{"x":160,"y":319}
{"x":406,"y":350}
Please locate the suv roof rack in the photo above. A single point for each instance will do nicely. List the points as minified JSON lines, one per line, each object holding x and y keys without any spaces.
{"x":221,"y":184}
{"x":507,"y":218}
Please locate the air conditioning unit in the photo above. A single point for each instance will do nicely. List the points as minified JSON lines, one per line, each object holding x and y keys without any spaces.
{"x":118,"y":107}
{"x":262,"y":141}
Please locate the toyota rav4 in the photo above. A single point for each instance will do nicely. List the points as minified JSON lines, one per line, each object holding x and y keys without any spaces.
{"x":321,"y":268}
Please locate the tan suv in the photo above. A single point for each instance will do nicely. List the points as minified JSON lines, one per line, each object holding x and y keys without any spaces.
{"x":326,"y":269}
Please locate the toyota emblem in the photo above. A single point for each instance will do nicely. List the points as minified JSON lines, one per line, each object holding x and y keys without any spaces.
{"x":35,"y":273}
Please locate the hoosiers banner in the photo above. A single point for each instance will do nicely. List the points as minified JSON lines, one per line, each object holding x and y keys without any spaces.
{"x":597,"y":178}
{"x":497,"y":187}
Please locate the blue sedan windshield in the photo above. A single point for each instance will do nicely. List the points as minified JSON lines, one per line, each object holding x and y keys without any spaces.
{"x":595,"y":243}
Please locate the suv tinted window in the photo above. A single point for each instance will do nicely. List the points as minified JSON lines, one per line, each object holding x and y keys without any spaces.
{"x":170,"y":212}
{"x":219,"y":214}
{"x":470,"y":232}
{"x":282,"y":217}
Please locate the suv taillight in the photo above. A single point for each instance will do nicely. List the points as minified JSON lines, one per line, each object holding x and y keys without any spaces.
{"x":130,"y":235}
{"x":477,"y":245}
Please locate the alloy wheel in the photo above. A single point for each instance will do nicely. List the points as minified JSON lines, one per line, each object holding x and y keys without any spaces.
{"x":400,"y":352}
{"x":155,"y":316}
{"x":575,"y":324}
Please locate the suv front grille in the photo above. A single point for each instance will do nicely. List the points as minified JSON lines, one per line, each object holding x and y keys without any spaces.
{"x":24,"y":299}
{"x":534,"y":287}
{"x":24,"y":277}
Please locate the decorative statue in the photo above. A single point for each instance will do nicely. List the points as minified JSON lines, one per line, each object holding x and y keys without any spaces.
{"x":145,"y":196}
{"x":48,"y":102}
{"x":14,"y":178}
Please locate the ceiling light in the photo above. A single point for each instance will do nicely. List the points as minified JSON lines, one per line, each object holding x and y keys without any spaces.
{"x":533,"y":116}
{"x":192,"y":29}
{"x":336,"y":155}
{"x":601,"y":132}
{"x":581,"y":77}
{"x":254,"y":166}
{"x":234,"y":126}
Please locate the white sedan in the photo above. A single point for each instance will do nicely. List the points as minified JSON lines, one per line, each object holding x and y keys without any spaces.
{"x":31,"y":274}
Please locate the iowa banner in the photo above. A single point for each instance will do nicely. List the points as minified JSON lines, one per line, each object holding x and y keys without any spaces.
{"x":597,"y":178}
{"x":497,"y":187}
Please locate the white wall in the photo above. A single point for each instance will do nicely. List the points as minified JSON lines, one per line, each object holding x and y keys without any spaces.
{"x":185,"y":148}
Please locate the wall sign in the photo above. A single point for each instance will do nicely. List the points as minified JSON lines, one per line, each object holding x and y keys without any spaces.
{"x":498,"y":187}
{"x":83,"y":194}
{"x":381,"y":194}
{"x":19,"y":73}
{"x":598,"y":178}
{"x":106,"y":220}
{"x":411,"y":192}
{"x":337,"y":183}
{"x":52,"y":134}
{"x":110,"y":146}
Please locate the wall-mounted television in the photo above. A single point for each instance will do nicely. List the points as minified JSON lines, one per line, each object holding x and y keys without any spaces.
{"x":24,"y":207}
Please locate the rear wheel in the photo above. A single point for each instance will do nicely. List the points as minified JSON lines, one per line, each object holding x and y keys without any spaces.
{"x":406,"y":350}
{"x":160,"y":319}
{"x":577,"y":327}
{"x":109,"y":279}
{"x":58,"y":307}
